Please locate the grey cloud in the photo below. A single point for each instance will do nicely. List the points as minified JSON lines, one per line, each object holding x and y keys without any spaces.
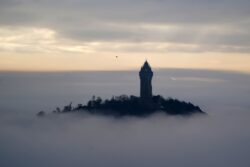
{"x":90,"y":20}
{"x":189,"y":11}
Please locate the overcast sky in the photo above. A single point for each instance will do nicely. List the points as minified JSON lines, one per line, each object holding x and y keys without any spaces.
{"x":121,"y":34}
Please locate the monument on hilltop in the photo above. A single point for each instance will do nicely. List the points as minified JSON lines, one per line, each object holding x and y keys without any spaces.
{"x":145,"y":105}
{"x":146,"y":75}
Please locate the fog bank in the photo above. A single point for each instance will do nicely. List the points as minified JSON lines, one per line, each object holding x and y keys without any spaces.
{"x":84,"y":140}
{"x":219,"y":139}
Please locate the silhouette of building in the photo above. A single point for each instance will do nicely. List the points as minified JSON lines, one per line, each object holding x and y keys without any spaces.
{"x":144,"y":105}
{"x":146,"y":75}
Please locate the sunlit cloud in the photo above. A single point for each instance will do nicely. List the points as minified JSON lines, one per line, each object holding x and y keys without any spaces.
{"x":48,"y":40}
{"x":138,"y":29}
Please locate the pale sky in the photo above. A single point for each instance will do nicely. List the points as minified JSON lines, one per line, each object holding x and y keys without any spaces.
{"x":61,"y":35}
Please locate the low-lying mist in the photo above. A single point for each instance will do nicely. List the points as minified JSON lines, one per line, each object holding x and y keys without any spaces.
{"x":85,"y":140}
{"x":219,"y":139}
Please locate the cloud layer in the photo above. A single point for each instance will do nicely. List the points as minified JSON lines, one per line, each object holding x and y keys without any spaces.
{"x":219,"y":139}
{"x":199,"y":25}
{"x":82,"y":140}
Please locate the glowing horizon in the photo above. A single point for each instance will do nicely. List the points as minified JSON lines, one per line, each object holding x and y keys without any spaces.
{"x":84,"y":36}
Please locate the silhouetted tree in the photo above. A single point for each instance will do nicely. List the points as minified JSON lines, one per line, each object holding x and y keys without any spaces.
{"x":131,"y":105}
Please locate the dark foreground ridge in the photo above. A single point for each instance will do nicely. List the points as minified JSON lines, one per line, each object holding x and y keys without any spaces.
{"x":124,"y":105}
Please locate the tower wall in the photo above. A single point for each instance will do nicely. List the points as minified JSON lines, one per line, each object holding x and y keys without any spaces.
{"x":146,"y":75}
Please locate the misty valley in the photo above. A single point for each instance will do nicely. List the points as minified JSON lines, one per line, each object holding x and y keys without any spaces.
{"x":221,"y":138}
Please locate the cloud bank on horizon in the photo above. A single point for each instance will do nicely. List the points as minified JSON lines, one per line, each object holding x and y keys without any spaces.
{"x":125,"y":27}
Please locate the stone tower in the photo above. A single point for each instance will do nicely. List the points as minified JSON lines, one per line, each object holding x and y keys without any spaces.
{"x":146,"y":75}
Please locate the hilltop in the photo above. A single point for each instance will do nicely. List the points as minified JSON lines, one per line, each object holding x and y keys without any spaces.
{"x":145,"y":105}
{"x":124,"y":105}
